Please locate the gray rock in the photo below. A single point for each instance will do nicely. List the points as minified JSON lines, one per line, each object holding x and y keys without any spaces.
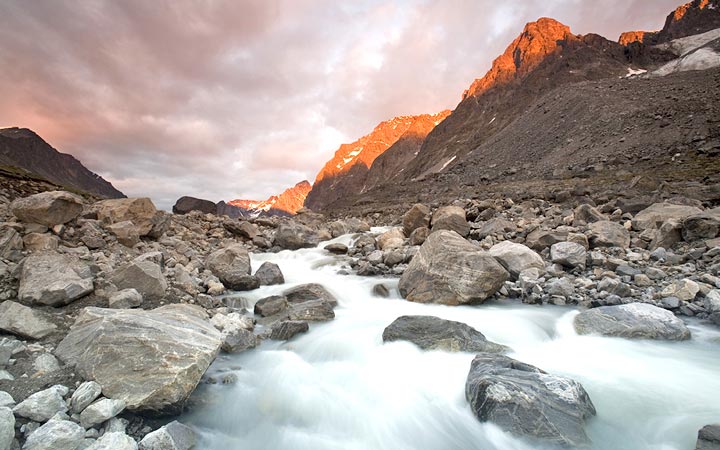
{"x":7,"y":428}
{"x":708,"y":438}
{"x":712,"y":301}
{"x":238,"y":341}
{"x":516,"y":257}
{"x":10,"y":243}
{"x":43,"y":405}
{"x":526,"y":401}
{"x":144,"y":276}
{"x":126,"y":298}
{"x":39,"y":242}
{"x":140,"y":211}
{"x":701,"y":226}
{"x":48,"y":208}
{"x":84,"y":395}
{"x":287,"y":329}
{"x":667,"y":235}
{"x":450,"y":218}
{"x":561,"y":287}
{"x":380,"y":290}
{"x":433,"y":333}
{"x":568,"y":254}
{"x":587,"y":214}
{"x":243,"y":229}
{"x":114,"y":441}
{"x":654,"y":215}
{"x":291,"y":235}
{"x":416,"y":217}
{"x":231,"y":265}
{"x":6,"y":400}
{"x":450,"y":270}
{"x":393,"y":238}
{"x":684,"y":289}
{"x":540,"y":239}
{"x":310,"y":291}
{"x":634,"y":320}
{"x":173,"y":436}
{"x":46,"y":363}
{"x":23,"y":321}
{"x":269,"y":274}
{"x":100,"y":411}
{"x":269,"y":306}
{"x":336,"y":248}
{"x":608,"y":234}
{"x":56,"y":435}
{"x":311,"y":310}
{"x":150,"y":359}
{"x":53,"y":279}
{"x":125,"y":232}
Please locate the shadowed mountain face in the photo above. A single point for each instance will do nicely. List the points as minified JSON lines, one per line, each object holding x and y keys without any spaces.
{"x":23,"y":148}
{"x":286,"y":204}
{"x":695,"y":17}
{"x":349,"y":171}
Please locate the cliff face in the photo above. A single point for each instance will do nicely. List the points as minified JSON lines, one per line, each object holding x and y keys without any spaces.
{"x":286,"y":204}
{"x":348,"y":172}
{"x":695,"y":17}
{"x":23,"y":148}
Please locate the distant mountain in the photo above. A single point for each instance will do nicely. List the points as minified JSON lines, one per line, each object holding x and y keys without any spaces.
{"x":20,"y":147}
{"x":689,"y":19}
{"x":349,"y":171}
{"x":286,"y":204}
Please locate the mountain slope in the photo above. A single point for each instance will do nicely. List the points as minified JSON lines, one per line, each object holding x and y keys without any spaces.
{"x":286,"y":204}
{"x":23,"y":148}
{"x":695,"y":17}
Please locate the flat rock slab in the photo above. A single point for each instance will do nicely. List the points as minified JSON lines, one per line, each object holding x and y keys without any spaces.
{"x":53,"y":279}
{"x":434,"y":333}
{"x":526,"y":401}
{"x":634,"y":320}
{"x":152,"y":360}
{"x":24,"y":322}
{"x":48,"y":208}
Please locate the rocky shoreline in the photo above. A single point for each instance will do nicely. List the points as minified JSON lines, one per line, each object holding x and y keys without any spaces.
{"x":111,"y":312}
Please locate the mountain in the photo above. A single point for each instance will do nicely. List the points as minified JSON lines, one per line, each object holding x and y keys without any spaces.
{"x":20,"y":147}
{"x":689,"y":19}
{"x":349,"y":171}
{"x":286,"y":204}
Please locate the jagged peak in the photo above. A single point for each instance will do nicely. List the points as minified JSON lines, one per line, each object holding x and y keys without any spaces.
{"x":695,"y":17}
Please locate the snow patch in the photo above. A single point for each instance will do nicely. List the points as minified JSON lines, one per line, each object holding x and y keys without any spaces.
{"x":701,"y":59}
{"x":447,"y":163}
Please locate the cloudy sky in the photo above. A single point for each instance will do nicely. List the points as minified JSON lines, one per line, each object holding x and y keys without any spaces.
{"x":243,"y":98}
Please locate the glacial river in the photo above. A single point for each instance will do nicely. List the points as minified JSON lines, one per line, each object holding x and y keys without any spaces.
{"x":339,"y":387}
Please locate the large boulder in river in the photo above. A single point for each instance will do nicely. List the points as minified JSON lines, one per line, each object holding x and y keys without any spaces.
{"x":48,"y":208}
{"x":634,"y":320}
{"x":526,"y":401}
{"x":608,"y":234}
{"x":451,"y":270}
{"x":53,"y":279}
{"x":291,"y":235}
{"x":658,"y":213}
{"x":416,"y":217}
{"x":152,"y":360}
{"x":516,"y":257}
{"x":140,"y":211}
{"x":708,"y":438}
{"x":434,"y":333}
{"x":186,"y":204}
{"x":231,"y":265}
{"x":451,"y":218}
{"x":144,"y":276}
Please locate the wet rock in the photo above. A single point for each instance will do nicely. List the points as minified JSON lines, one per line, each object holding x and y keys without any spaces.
{"x":708,"y":438}
{"x":311,"y":311}
{"x":416,"y":217}
{"x":634,"y":320}
{"x":269,"y":306}
{"x":232,"y":266}
{"x":568,"y":254}
{"x":56,"y":435}
{"x":43,"y":405}
{"x":450,"y":218}
{"x":608,"y":234}
{"x":526,"y":401}
{"x":450,"y":270}
{"x":393,"y":238}
{"x":269,"y":274}
{"x":48,"y":208}
{"x":100,"y":411}
{"x":337,"y":248}
{"x":7,"y":427}
{"x":114,"y":441}
{"x":173,"y":436}
{"x":293,"y":236}
{"x":380,"y":290}
{"x":433,"y":333}
{"x":53,"y":279}
{"x":239,"y":341}
{"x":172,"y":346}
{"x":24,"y":322}
{"x":310,"y":291}
{"x":140,"y":211}
{"x":287,"y":329}
{"x":516,"y":257}
{"x":144,"y":276}
{"x":126,"y":298}
{"x":236,"y":331}
{"x":84,"y":395}
{"x":658,"y":213}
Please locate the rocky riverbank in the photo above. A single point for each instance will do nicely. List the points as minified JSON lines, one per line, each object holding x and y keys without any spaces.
{"x":112,"y":311}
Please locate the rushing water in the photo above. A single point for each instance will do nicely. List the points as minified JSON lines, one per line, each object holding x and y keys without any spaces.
{"x":340,"y":387}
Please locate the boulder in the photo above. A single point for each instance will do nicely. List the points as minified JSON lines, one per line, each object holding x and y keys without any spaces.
{"x":126,"y":298}
{"x":418,"y":236}
{"x":185,"y":204}
{"x":287,"y":329}
{"x":526,"y":401}
{"x":173,"y":436}
{"x":126,"y":233}
{"x":450,"y":270}
{"x":43,"y":405}
{"x":56,"y":435}
{"x":311,"y":311}
{"x":114,"y":441}
{"x":100,"y":411}
{"x":310,"y":291}
{"x":633,"y":320}
{"x":11,"y":244}
{"x":684,"y":289}
{"x":568,"y":254}
{"x":144,"y":276}
{"x":53,"y":279}
{"x":269,"y":306}
{"x":336,"y":248}
{"x":654,"y":215}
{"x":152,"y":360}
{"x":39,"y":242}
{"x":24,"y":322}
{"x":450,"y":218}
{"x":541,"y":239}
{"x":667,"y":235}
{"x":708,"y":438}
{"x":291,"y":235}
{"x":140,"y":211}
{"x":48,"y":208}
{"x":608,"y":234}
{"x":7,"y":427}
{"x":84,"y":395}
{"x":269,"y":274}
{"x":516,"y":257}
{"x":243,"y":229}
{"x":416,"y":217}
{"x":701,"y":226}
{"x":393,"y":238}
{"x":230,"y":264}
{"x":585,"y":214}
{"x":380,"y":290}
{"x":434,"y":333}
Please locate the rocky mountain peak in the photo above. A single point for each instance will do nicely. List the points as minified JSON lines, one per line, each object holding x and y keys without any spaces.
{"x":695,"y":17}
{"x":537,"y":40}
{"x":286,"y":203}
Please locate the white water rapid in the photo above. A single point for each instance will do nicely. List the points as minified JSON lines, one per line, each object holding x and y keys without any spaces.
{"x":339,"y":387}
